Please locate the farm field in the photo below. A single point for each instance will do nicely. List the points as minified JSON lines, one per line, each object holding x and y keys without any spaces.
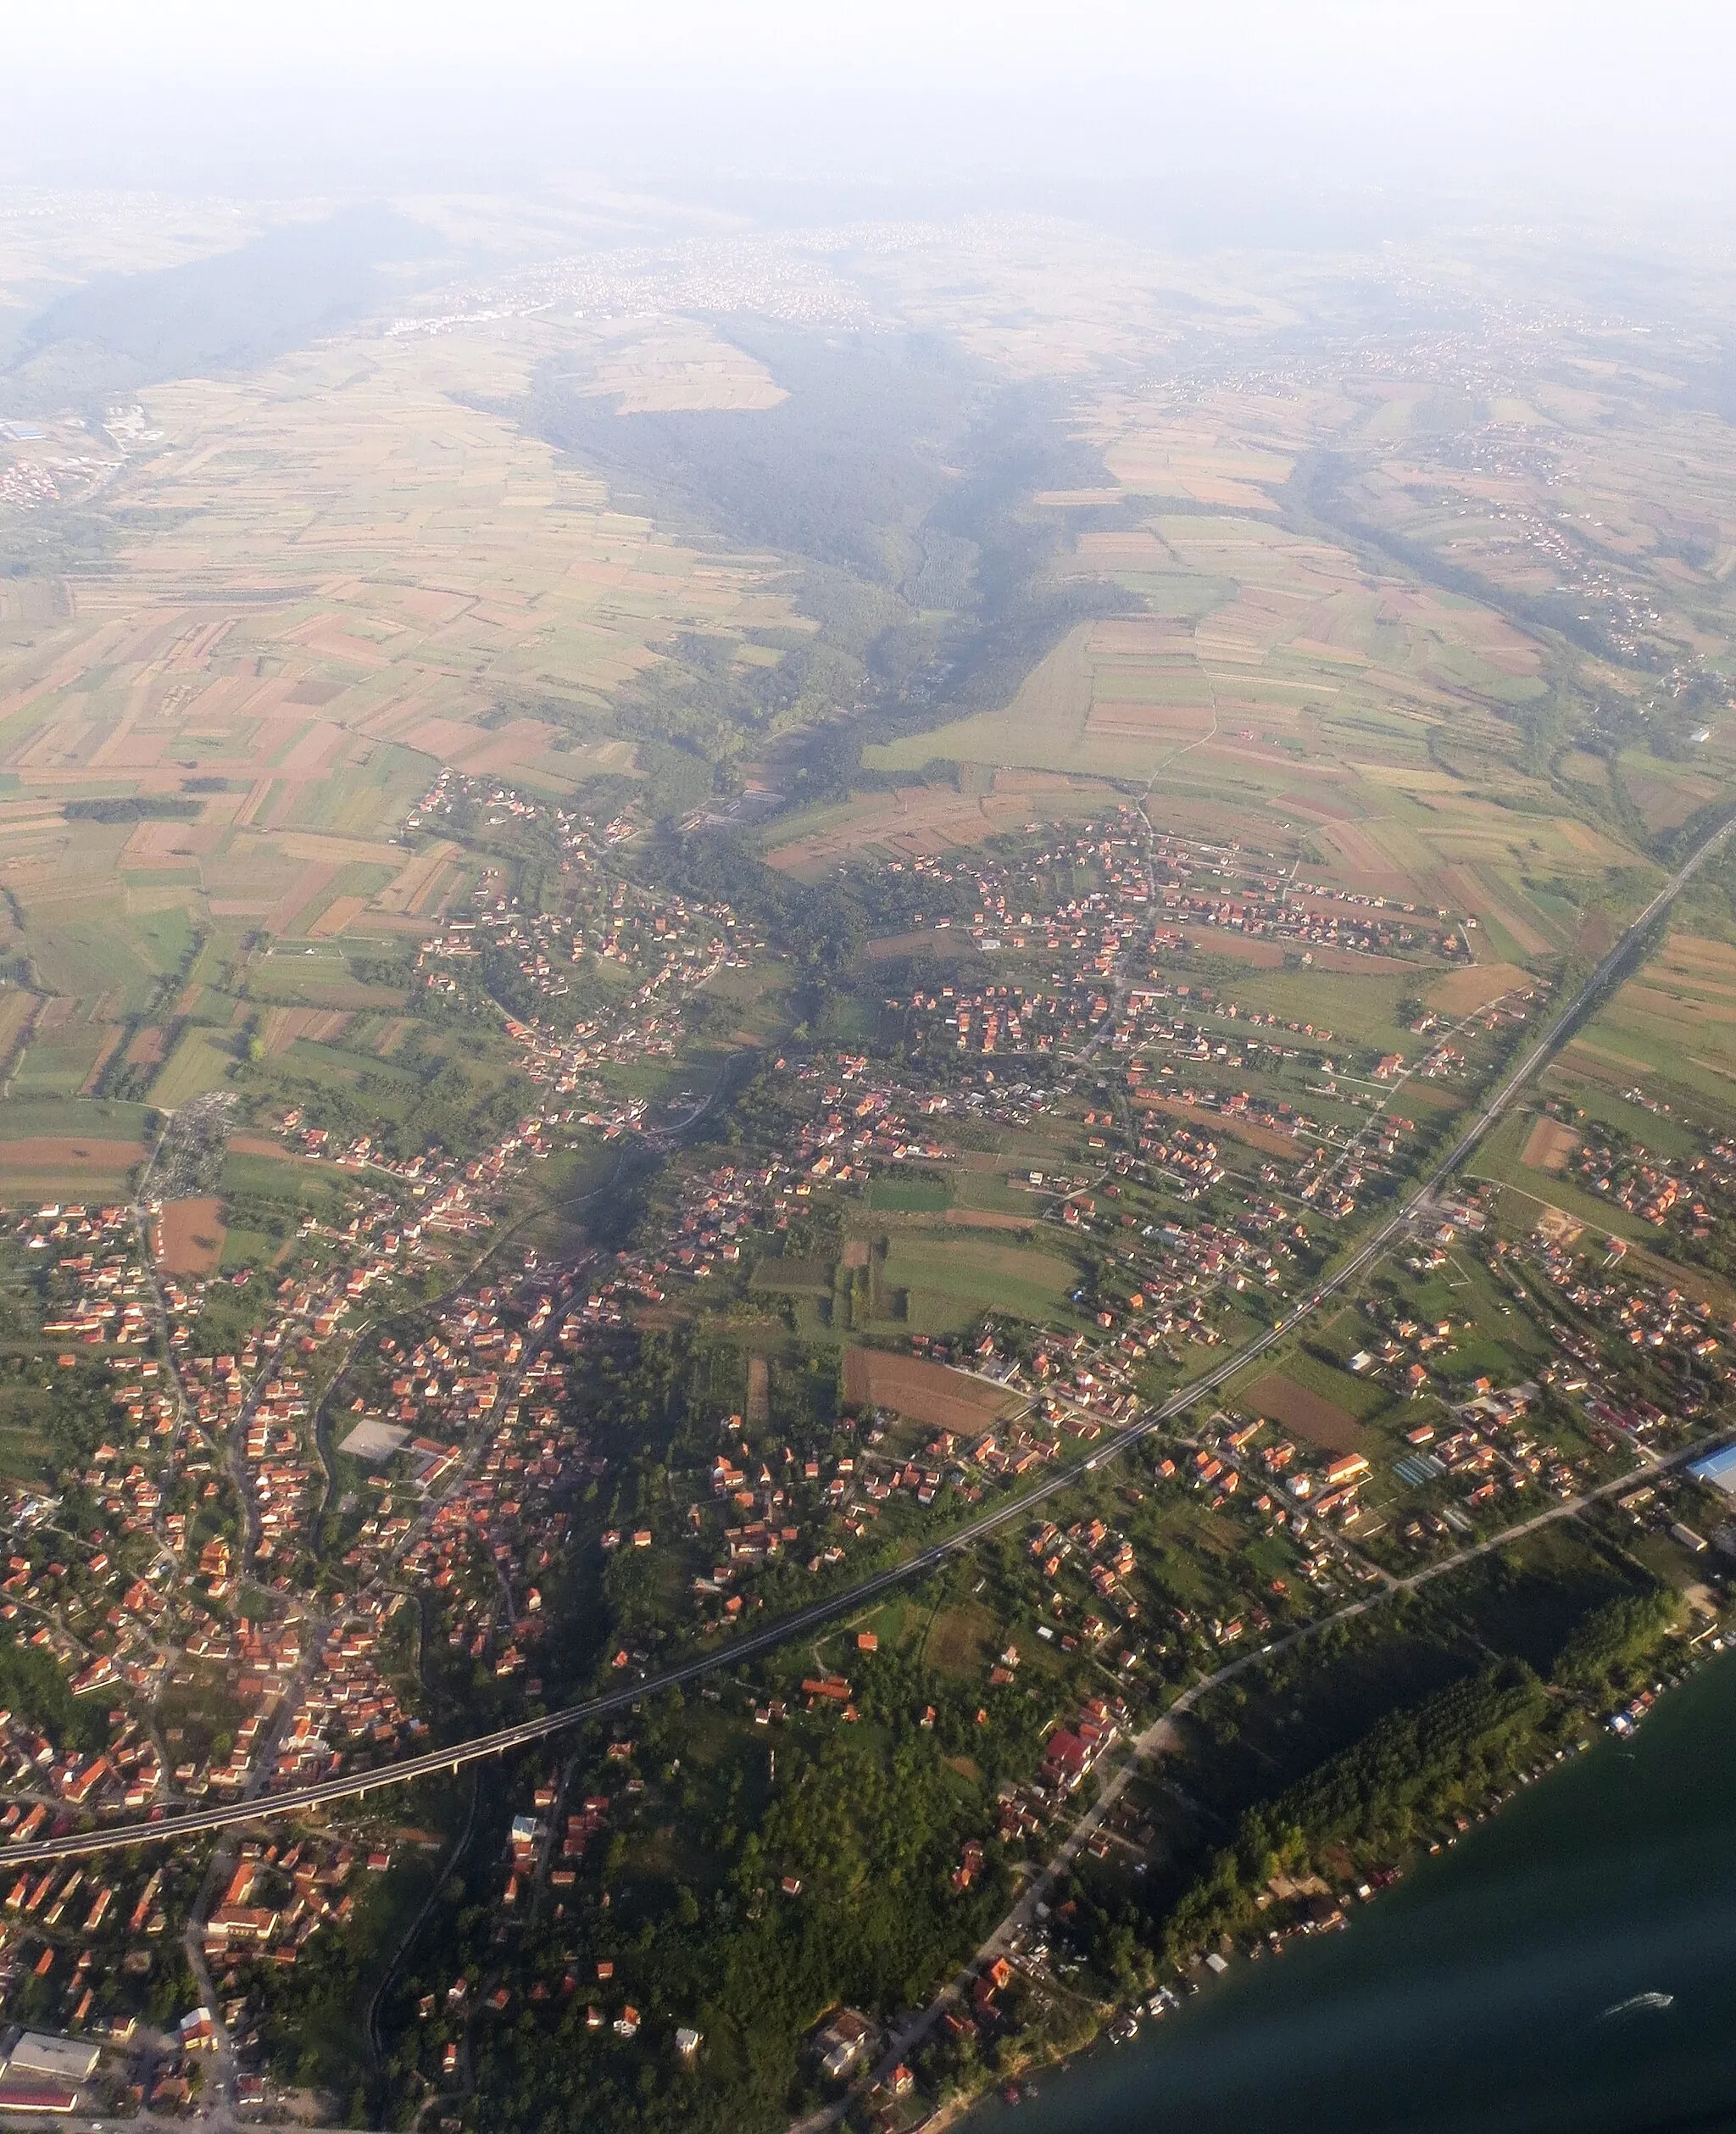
{"x":926,"y":1393}
{"x":1462,"y":992}
{"x":1322,"y":1421}
{"x":384,"y":538}
{"x":1547,"y":1145}
{"x":188,"y":1236}
{"x":61,"y":1054}
{"x":911,"y":1196}
{"x":337,"y":581}
{"x":200,"y":1061}
{"x":1683,"y":1003}
{"x":945,"y":1282}
{"x":920,"y":819}
{"x":1274,"y":685}
{"x":41,"y":1166}
{"x":1670,"y":1031}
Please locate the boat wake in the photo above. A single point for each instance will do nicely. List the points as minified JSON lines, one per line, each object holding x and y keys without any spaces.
{"x":1638,"y":2004}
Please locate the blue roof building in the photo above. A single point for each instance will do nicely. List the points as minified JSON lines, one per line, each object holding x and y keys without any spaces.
{"x":1719,"y":1468}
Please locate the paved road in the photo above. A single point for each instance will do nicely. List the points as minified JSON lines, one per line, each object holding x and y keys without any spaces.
{"x":503,"y":1739}
{"x":910,"y":2034}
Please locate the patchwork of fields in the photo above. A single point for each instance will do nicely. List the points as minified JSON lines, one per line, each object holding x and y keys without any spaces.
{"x":338,"y":579}
{"x":1277,"y":686}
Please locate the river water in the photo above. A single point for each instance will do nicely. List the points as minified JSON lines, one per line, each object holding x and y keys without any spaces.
{"x":1470,"y":1999}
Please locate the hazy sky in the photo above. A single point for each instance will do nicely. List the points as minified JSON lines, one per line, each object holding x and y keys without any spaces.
{"x":1377,"y":42}
{"x":1587,"y":97}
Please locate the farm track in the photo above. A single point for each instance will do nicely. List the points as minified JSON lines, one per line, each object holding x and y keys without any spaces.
{"x":503,"y":1741}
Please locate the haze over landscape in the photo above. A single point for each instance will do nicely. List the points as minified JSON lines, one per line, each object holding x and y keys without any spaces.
{"x":867,"y":1011}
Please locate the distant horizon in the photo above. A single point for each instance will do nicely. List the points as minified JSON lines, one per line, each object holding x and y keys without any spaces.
{"x":1383,"y":115}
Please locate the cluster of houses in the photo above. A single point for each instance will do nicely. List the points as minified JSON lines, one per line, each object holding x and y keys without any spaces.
{"x":278,"y":1896}
{"x":1106,"y":1558}
{"x":101,"y":1291}
{"x":344,"y":1707}
{"x":1308,"y":915}
{"x":1024,"y":901}
{"x":1689,"y":1193}
{"x":653,"y":948}
{"x":1653,"y":1316}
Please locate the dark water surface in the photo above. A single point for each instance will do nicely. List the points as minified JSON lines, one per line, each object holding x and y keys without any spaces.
{"x":1473,"y":1996}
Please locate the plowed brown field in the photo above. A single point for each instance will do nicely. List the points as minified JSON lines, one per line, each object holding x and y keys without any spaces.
{"x":928,"y":1393}
{"x":188,"y":1237}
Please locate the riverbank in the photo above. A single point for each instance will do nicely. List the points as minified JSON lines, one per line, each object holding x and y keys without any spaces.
{"x":1556,"y":1904}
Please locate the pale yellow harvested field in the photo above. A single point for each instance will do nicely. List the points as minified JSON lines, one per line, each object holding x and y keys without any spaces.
{"x":415,"y":880}
{"x":17,"y":1009}
{"x":1178,"y":459}
{"x":279,"y":1028}
{"x":915,"y":819}
{"x":684,"y":365}
{"x":337,"y":852}
{"x":337,"y":915}
{"x":1131,"y":550}
{"x":1460,"y":992}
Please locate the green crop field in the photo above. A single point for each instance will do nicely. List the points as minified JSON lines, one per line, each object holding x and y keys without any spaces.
{"x":296,"y":1183}
{"x":949,"y":1281}
{"x":101,"y":951}
{"x":1657,"y":1130}
{"x":98,"y":1118}
{"x":58,"y":1064}
{"x":199,"y":1061}
{"x":910,"y":1195}
{"x":1357,"y":1010}
{"x":1357,"y":1396}
{"x":781,"y":1277}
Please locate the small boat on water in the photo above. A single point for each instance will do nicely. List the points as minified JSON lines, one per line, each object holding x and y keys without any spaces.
{"x":1124,"y":2030}
{"x":1638,"y":2004}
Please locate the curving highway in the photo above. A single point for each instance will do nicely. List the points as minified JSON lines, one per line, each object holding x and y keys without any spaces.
{"x":356,"y":1785}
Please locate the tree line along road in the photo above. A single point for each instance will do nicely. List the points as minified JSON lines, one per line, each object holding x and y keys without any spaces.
{"x":503,"y":1741}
